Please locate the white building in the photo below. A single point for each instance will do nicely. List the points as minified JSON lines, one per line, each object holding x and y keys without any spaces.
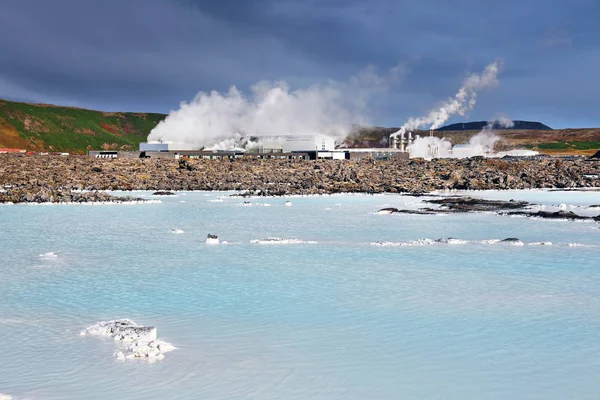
{"x":290,"y":143}
{"x":158,"y":145}
{"x":267,"y":144}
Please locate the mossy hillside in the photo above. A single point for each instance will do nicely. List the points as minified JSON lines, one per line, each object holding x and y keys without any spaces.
{"x":56,"y":128}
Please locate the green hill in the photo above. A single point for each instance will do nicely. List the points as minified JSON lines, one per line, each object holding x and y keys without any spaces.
{"x":43,"y":127}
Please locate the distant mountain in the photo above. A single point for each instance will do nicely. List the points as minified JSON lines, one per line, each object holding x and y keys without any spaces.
{"x":479,"y":125}
{"x":45,"y":127}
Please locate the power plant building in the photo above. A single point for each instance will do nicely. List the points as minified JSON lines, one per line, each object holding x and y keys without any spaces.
{"x":267,"y":144}
{"x":292,"y":143}
{"x":290,"y":146}
{"x":160,"y":146}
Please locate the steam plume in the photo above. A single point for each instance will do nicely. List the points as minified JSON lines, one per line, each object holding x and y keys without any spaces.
{"x":481,"y":144}
{"x":505,"y":122}
{"x":460,"y":104}
{"x":272,"y":108}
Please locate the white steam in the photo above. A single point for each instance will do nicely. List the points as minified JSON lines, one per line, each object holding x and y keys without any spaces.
{"x":481,"y":144}
{"x":505,"y":122}
{"x":460,"y":104}
{"x":220,"y":120}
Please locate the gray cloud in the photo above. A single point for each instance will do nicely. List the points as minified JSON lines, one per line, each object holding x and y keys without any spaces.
{"x":150,"y":55}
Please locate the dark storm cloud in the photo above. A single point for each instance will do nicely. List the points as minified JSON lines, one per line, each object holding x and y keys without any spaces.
{"x":150,"y":55}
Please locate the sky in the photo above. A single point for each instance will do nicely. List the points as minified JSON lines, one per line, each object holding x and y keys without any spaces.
{"x":150,"y":55}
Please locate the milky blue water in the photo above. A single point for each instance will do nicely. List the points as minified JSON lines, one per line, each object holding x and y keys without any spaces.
{"x":336,"y":319}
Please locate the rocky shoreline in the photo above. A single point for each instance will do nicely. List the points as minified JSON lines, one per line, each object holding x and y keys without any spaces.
{"x":58,"y":179}
{"x":47,"y":194}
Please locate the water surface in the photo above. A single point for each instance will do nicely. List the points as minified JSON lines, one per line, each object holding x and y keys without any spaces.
{"x":339,"y":319}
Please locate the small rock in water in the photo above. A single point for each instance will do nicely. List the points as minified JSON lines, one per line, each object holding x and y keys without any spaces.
{"x":121,"y":329}
{"x":163,"y":193}
{"x":513,"y":241}
{"x":212,"y":239}
{"x":389,"y":210}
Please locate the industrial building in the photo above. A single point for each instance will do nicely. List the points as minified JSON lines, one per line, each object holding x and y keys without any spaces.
{"x":292,"y":143}
{"x":267,"y":144}
{"x":291,"y":147}
{"x":377,"y":154}
{"x":113,"y":154}
{"x":402,"y":140}
{"x":103,"y":154}
{"x":221,"y":155}
{"x":158,"y":146}
{"x":315,"y":146}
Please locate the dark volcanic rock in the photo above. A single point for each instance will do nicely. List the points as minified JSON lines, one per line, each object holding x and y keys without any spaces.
{"x":392,"y":210}
{"x":47,"y":194}
{"x":163,"y":193}
{"x":469,"y":204}
{"x":389,"y":210}
{"x":295,"y":177}
{"x":511,"y":241}
{"x":417,"y":212}
{"x":570,"y":215}
{"x":183,"y":164}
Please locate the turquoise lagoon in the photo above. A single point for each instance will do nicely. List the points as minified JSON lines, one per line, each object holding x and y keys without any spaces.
{"x":341,"y":318}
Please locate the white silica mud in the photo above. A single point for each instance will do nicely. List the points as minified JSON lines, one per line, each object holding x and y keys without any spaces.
{"x":134,"y":341}
{"x":48,"y":256}
{"x":277,"y":240}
